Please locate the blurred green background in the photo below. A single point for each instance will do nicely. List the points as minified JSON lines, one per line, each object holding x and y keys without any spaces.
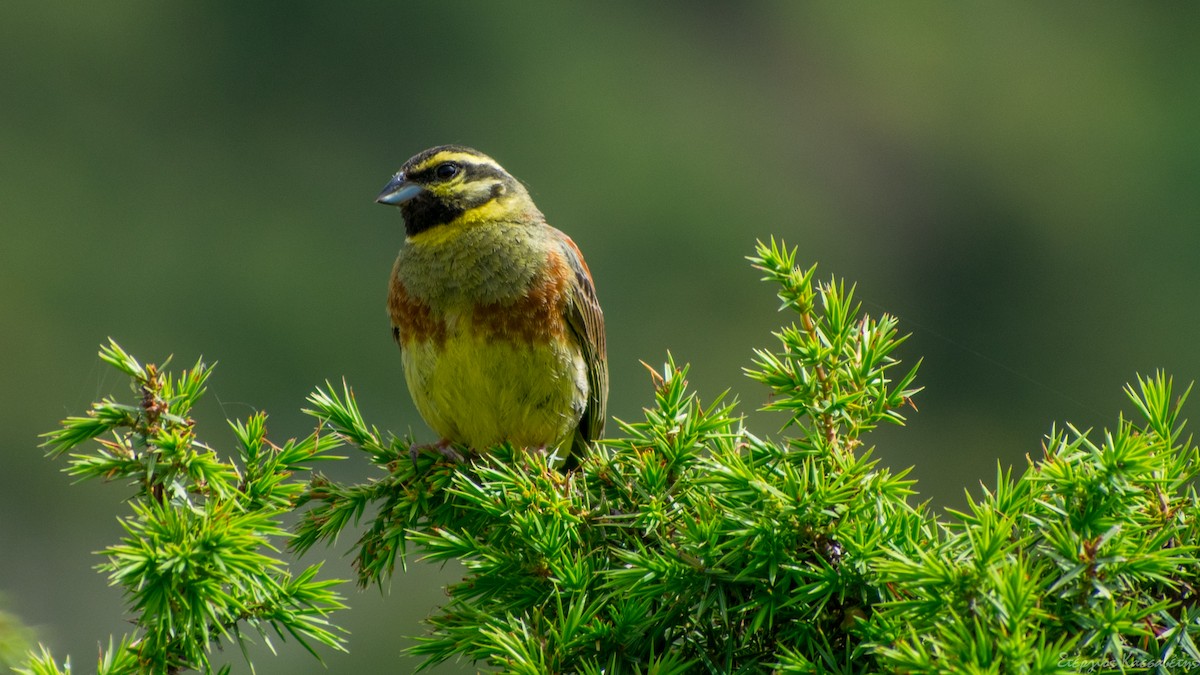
{"x":1019,"y":183}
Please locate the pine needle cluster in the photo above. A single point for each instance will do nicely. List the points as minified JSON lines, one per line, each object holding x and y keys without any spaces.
{"x":199,"y":562}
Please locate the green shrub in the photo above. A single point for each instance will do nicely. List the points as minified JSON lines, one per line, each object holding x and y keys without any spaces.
{"x":686,"y":543}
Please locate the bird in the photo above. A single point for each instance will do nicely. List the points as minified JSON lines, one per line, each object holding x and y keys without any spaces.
{"x":499,"y":326}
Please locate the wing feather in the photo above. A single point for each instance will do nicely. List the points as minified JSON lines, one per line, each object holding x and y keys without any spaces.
{"x":586,"y":321}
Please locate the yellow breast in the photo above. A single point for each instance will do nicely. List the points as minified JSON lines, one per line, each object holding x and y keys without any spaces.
{"x":480,"y":391}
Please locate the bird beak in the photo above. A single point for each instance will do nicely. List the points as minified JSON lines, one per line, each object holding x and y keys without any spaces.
{"x":398,"y":191}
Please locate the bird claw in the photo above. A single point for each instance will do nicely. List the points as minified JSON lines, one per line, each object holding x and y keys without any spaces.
{"x":443,"y":447}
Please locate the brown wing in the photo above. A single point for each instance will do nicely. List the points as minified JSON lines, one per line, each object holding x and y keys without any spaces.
{"x":587,"y":324}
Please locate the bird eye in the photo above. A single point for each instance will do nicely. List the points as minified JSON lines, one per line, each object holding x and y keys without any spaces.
{"x":447,"y":170}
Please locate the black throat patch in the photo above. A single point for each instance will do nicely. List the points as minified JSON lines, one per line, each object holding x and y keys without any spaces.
{"x":425,"y":211}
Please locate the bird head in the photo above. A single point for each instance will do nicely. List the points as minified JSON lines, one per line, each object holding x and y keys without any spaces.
{"x":455,"y":185}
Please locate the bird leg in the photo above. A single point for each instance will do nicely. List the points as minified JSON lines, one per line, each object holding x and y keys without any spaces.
{"x":444,"y":447}
{"x":554,"y":460}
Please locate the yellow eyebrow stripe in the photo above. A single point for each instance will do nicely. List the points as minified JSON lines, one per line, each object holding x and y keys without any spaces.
{"x":452,"y":156}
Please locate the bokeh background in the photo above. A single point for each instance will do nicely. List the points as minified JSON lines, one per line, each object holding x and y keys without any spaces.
{"x":1019,"y":183}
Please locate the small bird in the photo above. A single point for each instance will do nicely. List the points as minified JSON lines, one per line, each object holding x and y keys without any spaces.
{"x":500,"y":331}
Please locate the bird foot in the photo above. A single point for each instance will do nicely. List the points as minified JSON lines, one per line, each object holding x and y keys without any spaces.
{"x":443,"y":447}
{"x":555,"y":458}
